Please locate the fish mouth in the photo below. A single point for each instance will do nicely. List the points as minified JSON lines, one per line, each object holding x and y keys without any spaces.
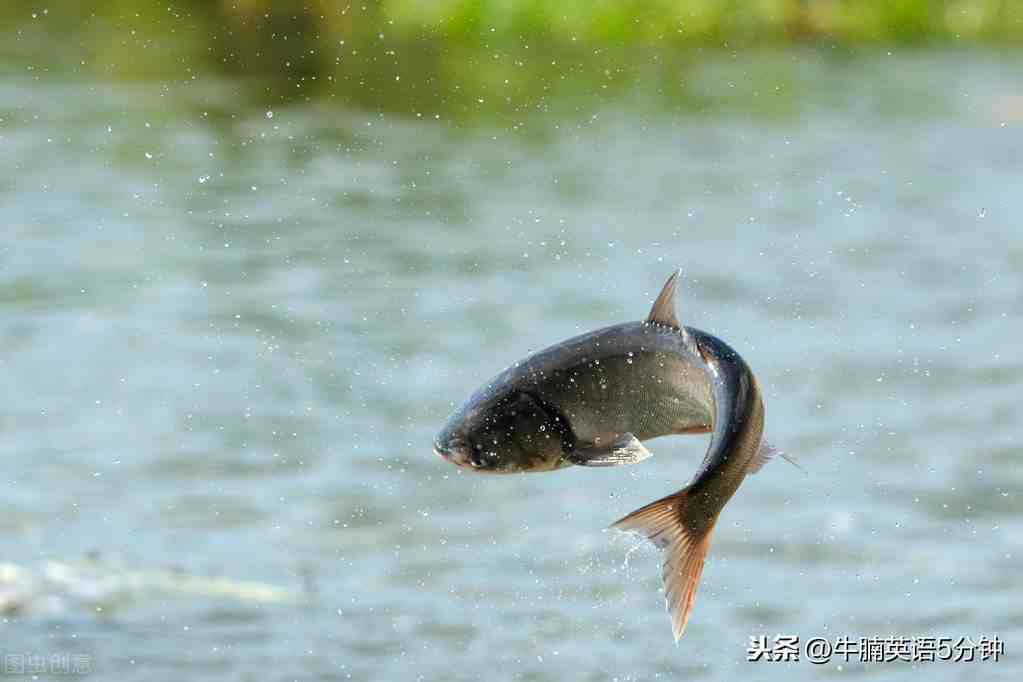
{"x":439,"y":451}
{"x":456,"y":452}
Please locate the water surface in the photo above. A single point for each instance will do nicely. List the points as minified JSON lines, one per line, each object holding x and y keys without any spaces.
{"x":231,"y":330}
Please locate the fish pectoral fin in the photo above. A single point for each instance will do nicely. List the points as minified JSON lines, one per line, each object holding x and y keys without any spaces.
{"x":685,"y":548}
{"x":626,"y":449}
{"x":765,"y":454}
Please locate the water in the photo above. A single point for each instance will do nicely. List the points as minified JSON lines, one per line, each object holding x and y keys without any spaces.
{"x":232,"y":328}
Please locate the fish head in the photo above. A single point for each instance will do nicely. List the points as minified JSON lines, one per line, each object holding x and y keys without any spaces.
{"x":507,"y":432}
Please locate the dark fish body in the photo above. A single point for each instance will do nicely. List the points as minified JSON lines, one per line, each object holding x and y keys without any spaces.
{"x":593,"y":399}
{"x":636,"y":377}
{"x":737,"y":439}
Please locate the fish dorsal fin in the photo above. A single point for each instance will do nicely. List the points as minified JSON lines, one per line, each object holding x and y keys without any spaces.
{"x":663,"y":310}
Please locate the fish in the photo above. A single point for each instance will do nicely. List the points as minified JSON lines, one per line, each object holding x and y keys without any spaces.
{"x":594,"y":399}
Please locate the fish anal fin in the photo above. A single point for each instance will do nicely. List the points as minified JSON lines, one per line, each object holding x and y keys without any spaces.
{"x":625,"y":449}
{"x":663,"y":309}
{"x":663,"y":523}
{"x":765,"y":454}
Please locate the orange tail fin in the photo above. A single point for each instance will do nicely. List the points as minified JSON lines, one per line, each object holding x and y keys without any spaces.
{"x":662,"y":522}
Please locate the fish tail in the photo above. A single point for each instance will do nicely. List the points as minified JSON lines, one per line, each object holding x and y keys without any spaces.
{"x":665,"y":524}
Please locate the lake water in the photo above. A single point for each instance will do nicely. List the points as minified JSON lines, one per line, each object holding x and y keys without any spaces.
{"x":232,"y":329}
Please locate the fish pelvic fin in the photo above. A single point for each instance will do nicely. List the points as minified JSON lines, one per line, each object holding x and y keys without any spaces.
{"x":664,"y":523}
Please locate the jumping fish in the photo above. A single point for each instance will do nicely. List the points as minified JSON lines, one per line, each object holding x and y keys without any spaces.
{"x":592,"y":400}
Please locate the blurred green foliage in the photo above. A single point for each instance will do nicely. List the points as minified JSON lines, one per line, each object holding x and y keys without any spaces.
{"x":464,"y":57}
{"x":316,"y":23}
